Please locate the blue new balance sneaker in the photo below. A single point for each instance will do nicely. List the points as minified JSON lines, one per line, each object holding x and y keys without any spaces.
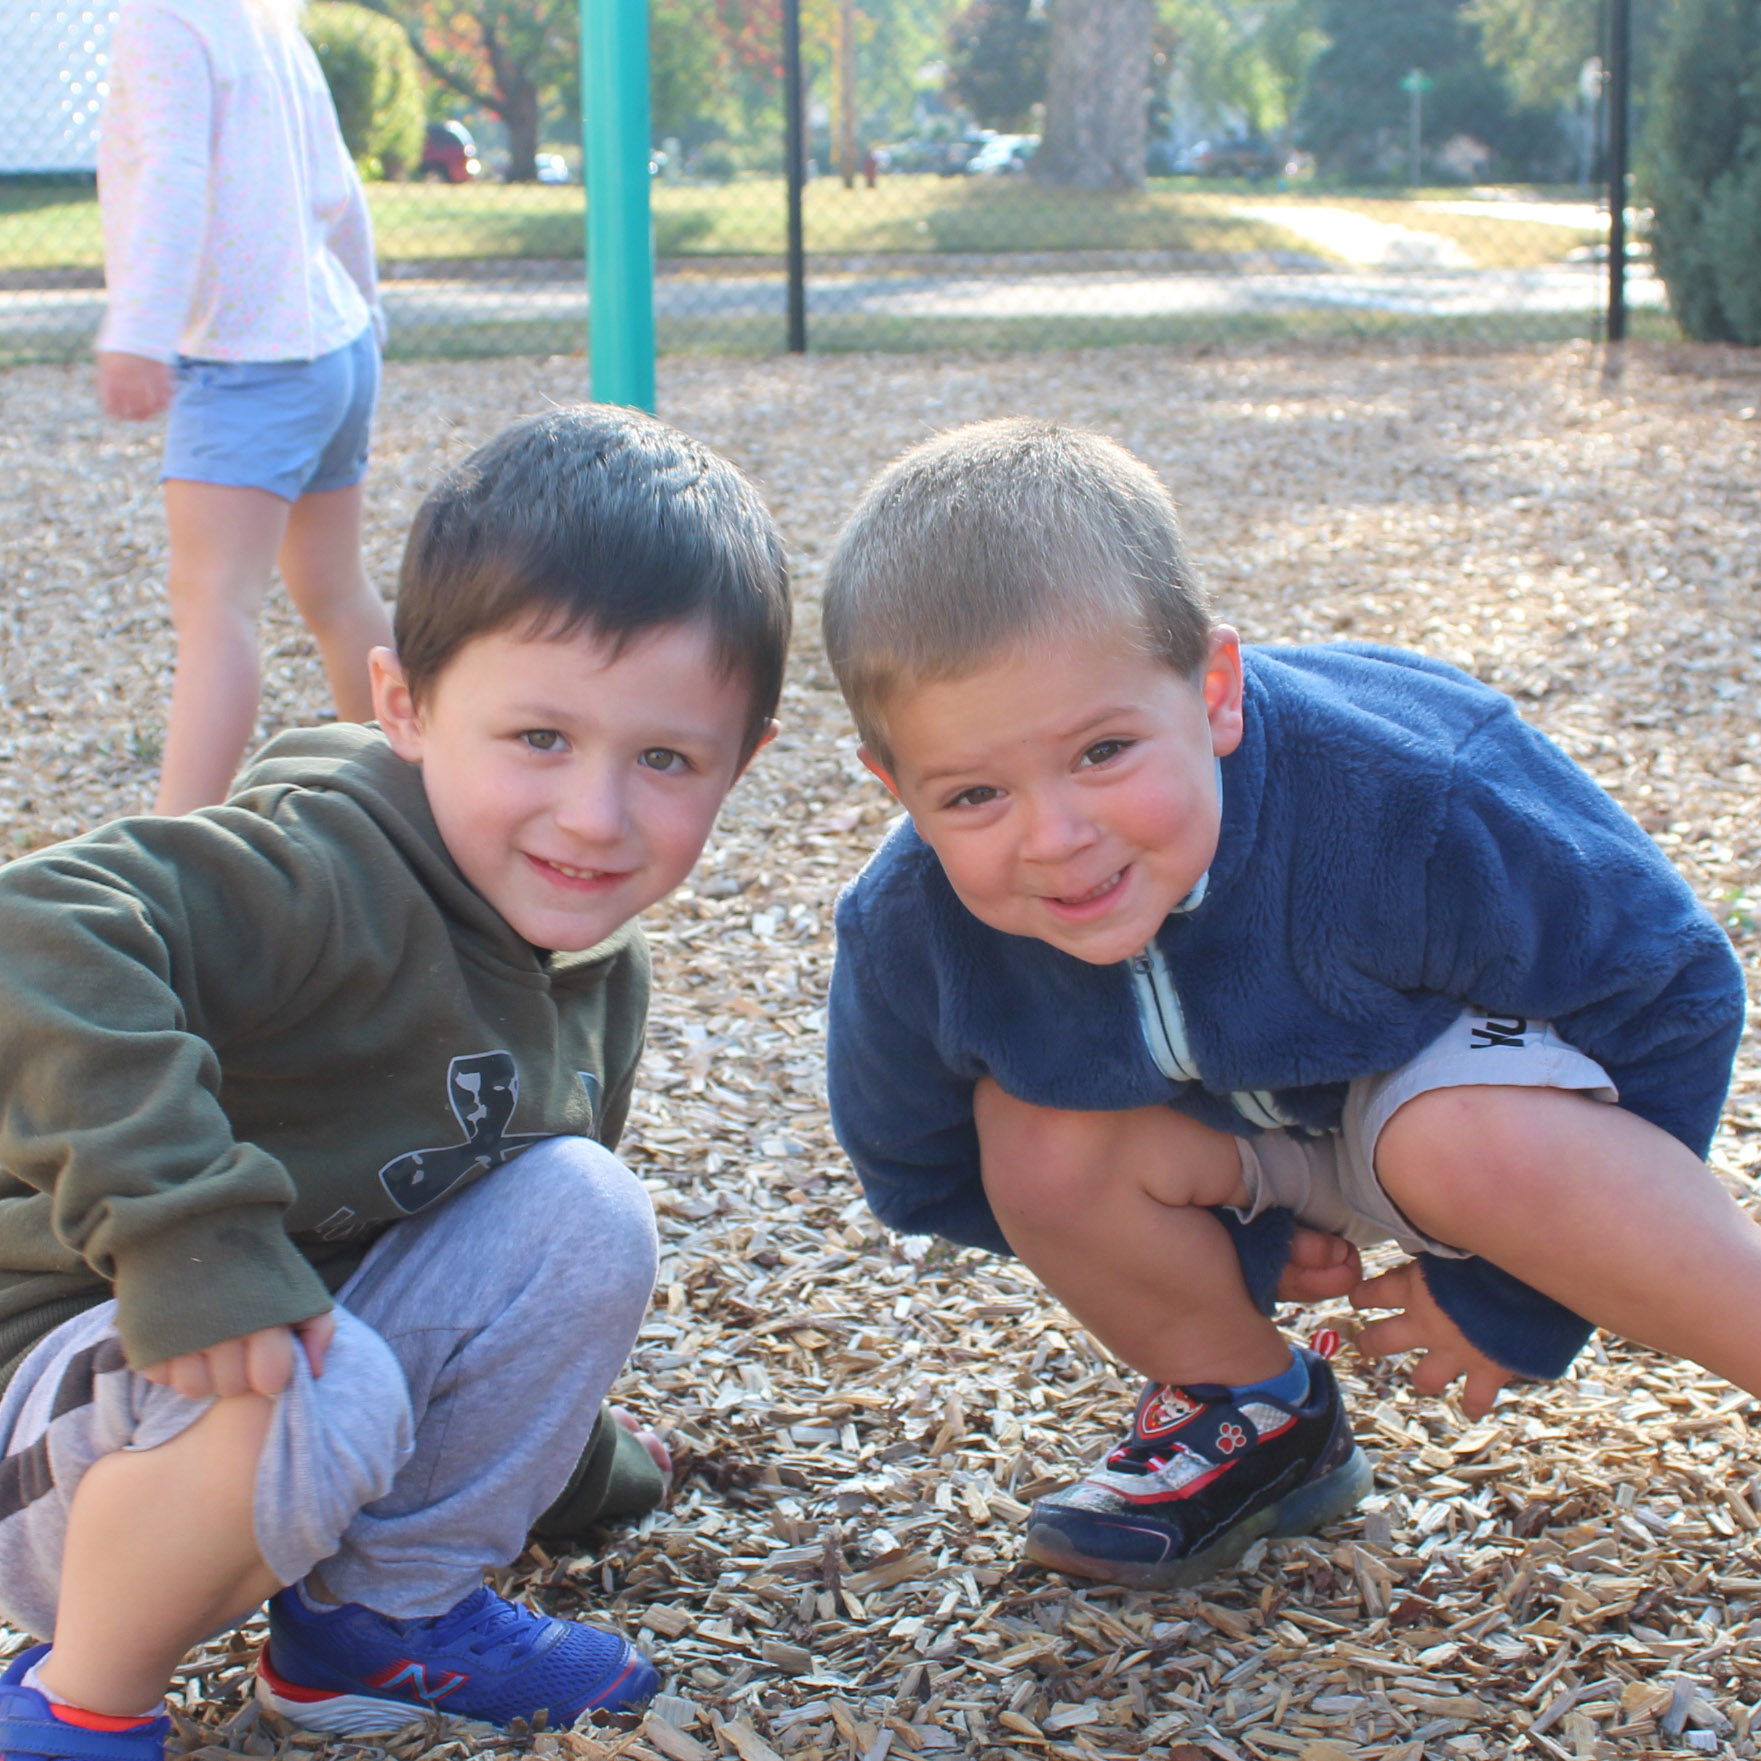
{"x":353,"y":1672}
{"x":1200,"y":1478}
{"x":31,"y":1726}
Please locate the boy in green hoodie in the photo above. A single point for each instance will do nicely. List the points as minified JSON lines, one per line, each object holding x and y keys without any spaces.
{"x":315,"y":1262}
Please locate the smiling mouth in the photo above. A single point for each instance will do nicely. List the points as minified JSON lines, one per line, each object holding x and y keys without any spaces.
{"x":1075,"y":901}
{"x":569,"y":872}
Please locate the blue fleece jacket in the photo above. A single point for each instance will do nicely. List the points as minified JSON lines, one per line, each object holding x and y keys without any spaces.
{"x":1396,"y":845}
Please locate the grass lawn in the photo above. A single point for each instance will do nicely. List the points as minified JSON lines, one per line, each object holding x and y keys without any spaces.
{"x":56,"y":226}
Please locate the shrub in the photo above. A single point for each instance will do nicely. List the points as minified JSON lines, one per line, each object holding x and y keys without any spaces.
{"x":1700,"y":169}
{"x":376,"y":82}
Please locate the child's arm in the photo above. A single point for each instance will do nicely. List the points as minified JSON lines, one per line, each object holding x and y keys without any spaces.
{"x":153,"y":183}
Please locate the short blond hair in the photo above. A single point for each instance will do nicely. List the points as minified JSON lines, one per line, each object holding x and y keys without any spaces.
{"x":992,"y":536}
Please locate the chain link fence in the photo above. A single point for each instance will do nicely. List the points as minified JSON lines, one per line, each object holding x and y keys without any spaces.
{"x":920,"y":229}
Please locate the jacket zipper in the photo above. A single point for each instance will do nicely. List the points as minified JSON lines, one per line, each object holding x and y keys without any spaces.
{"x":1163,"y":1022}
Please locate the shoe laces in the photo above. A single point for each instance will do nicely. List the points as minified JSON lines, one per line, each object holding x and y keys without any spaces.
{"x":486,"y":1622}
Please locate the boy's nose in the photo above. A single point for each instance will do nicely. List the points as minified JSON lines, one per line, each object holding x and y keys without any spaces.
{"x":593,"y":809}
{"x":1056,"y":829}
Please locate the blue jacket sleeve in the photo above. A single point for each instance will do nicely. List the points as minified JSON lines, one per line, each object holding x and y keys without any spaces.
{"x":902,"y":1114}
{"x":1547,"y":901}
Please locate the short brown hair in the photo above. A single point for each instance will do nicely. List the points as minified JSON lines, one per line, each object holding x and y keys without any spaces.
{"x":994,"y":534}
{"x":602,"y":519}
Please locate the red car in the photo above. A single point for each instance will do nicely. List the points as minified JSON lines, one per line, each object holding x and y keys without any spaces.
{"x":449,"y":154}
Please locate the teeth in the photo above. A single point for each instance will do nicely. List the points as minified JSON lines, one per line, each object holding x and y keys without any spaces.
{"x":1095,"y":892}
{"x":577,"y":873}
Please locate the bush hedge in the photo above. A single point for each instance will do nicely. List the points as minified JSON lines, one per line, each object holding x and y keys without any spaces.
{"x":1700,"y":169}
{"x":376,"y":81}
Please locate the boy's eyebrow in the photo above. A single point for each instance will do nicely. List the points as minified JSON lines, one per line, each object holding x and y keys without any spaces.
{"x":1059,"y":737}
{"x":668,"y":723}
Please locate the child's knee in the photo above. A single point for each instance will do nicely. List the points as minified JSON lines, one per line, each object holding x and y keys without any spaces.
{"x":1450,"y":1151}
{"x":1043,"y":1164}
{"x":590,"y":1200}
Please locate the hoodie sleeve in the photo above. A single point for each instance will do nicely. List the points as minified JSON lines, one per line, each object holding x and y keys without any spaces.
{"x":903,"y":1116}
{"x":1547,"y":901}
{"x":124,"y":958}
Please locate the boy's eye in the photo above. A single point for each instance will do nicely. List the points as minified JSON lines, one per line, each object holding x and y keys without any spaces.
{"x":976,"y":796}
{"x":664,"y":759}
{"x":542,"y":739}
{"x":1103,"y":750}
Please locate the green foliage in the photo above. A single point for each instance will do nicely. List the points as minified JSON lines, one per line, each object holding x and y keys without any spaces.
{"x":1701,"y":169}
{"x":1250,"y":60}
{"x":376,"y":82}
{"x":1354,"y":114}
{"x":689,"y":91}
{"x":997,"y":60}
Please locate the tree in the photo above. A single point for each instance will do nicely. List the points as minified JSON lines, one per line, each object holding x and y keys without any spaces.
{"x":1097,"y":87}
{"x":375,"y":82}
{"x":513,"y":58}
{"x":997,"y":60}
{"x":1246,"y":62}
{"x":1354,"y":112}
{"x":1701,"y":169}
{"x":689,"y":71}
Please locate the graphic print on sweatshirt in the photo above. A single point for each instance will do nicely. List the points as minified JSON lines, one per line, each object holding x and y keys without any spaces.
{"x":484,"y":1090}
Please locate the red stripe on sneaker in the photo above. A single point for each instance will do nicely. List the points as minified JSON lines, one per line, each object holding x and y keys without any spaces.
{"x":286,"y":1690}
{"x":1173,"y":1496}
{"x":84,"y":1720}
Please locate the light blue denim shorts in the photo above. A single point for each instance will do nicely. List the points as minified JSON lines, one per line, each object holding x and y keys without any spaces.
{"x":291,"y":427}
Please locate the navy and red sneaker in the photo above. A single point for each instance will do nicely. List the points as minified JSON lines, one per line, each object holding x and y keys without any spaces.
{"x":353,"y":1672}
{"x":33,"y":1725}
{"x":1199,"y":1480}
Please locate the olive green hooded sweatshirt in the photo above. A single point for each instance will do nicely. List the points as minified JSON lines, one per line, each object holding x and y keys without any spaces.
{"x":235,"y":1046}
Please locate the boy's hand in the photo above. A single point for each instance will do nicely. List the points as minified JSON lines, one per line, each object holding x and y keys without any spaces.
{"x":1422,"y":1326}
{"x":258,"y":1363}
{"x":1320,"y":1267}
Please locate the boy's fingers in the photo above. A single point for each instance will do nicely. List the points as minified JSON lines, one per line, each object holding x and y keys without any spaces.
{"x":267,"y":1360}
{"x":190,"y":1376}
{"x":315,"y":1336}
{"x":1390,"y":1337}
{"x":229,"y":1368}
{"x":1391,"y":1290}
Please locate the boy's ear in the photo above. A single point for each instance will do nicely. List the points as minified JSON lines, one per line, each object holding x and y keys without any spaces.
{"x":874,"y":766}
{"x":392,"y":706}
{"x":771,"y":730}
{"x":1220,"y":685}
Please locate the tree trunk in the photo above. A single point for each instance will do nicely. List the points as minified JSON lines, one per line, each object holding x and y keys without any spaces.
{"x":1097,"y":82}
{"x":520,"y":113}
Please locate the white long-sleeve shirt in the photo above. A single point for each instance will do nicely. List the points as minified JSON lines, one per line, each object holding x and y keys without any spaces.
{"x":235,"y":225}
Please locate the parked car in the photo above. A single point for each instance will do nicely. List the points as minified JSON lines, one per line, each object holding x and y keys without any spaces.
{"x":554,"y":168}
{"x":449,"y":155}
{"x":1249,"y":157}
{"x":1002,"y":155}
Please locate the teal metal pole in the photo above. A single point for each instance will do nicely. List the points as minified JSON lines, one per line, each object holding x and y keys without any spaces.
{"x":620,"y":232}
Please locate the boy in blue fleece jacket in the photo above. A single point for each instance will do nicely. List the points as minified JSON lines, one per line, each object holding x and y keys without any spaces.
{"x":1195,"y":970}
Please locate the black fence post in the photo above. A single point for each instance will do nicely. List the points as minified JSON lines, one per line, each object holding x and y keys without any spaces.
{"x":1619,"y":85}
{"x":795,"y":154}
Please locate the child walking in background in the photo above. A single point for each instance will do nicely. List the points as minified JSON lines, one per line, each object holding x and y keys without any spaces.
{"x":1186,"y":945}
{"x":315,"y":1260}
{"x":238,"y":256}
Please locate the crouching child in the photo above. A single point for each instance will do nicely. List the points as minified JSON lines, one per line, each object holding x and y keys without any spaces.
{"x":316,"y":1261}
{"x":1198,"y":968}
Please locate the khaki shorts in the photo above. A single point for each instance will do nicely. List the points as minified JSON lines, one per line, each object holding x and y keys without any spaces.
{"x":1330,"y":1181}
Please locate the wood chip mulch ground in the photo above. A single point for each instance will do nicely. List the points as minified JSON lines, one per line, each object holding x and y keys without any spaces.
{"x":860,"y":1422}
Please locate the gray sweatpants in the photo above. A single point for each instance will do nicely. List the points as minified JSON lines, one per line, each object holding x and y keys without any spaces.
{"x":472,"y":1351}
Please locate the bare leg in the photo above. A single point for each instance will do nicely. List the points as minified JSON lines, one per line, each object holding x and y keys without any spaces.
{"x":1592,"y":1206}
{"x":321,"y":564}
{"x":223,"y":545}
{"x":1110,"y":1211}
{"x":161,"y":1551}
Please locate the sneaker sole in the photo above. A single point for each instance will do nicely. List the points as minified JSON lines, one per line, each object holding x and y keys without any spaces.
{"x":1297,"y":1513}
{"x":340,"y":1715}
